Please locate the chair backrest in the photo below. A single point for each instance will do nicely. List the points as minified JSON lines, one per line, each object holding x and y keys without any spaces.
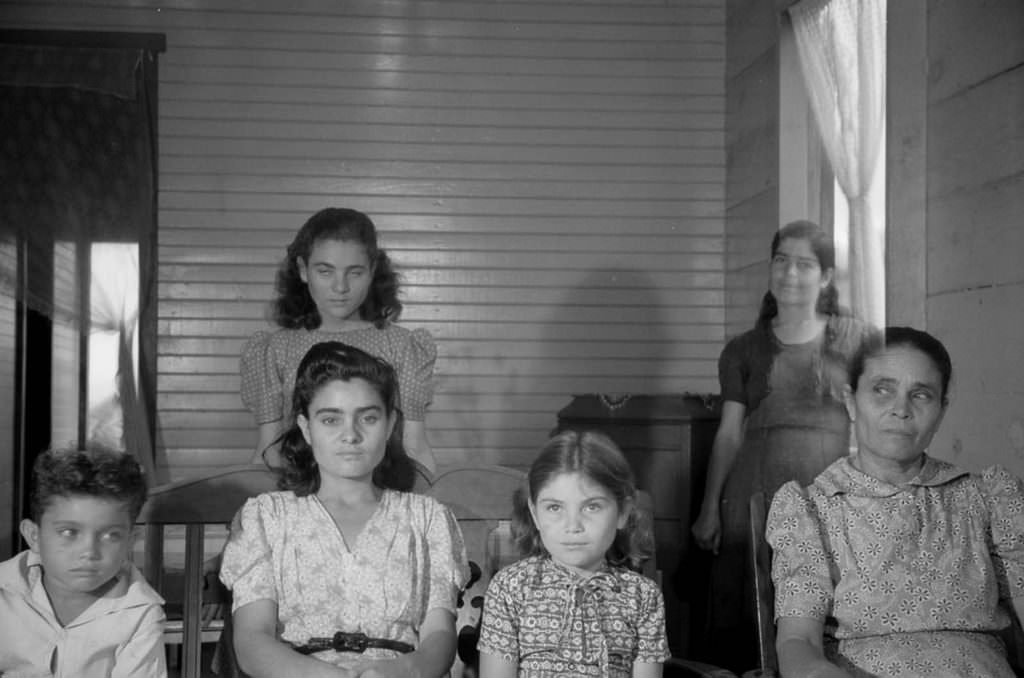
{"x":196,"y":503}
{"x":761,"y":556}
{"x":1013,"y":638}
{"x":481,"y":499}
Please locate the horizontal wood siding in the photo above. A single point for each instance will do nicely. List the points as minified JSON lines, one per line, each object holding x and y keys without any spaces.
{"x":975,"y":173}
{"x":548,"y":176}
{"x":752,"y":156}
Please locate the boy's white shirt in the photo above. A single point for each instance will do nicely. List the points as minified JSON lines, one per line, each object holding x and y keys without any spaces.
{"x":118,"y":636}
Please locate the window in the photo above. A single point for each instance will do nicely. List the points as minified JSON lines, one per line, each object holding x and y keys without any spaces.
{"x":843,"y":142}
{"x":77,"y":193}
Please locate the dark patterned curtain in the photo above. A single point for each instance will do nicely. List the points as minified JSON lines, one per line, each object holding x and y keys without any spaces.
{"x":77,"y":166}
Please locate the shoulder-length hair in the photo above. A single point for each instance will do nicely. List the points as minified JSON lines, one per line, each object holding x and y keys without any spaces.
{"x":597,"y":457}
{"x":334,"y":361}
{"x":294,"y":307}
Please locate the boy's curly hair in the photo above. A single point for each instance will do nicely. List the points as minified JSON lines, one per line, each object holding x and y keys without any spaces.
{"x":294,"y":308}
{"x":94,"y":471}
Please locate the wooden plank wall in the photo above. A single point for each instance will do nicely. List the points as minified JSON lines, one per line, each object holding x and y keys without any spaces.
{"x":752,"y":152}
{"x":975,"y":238}
{"x":549,"y":176}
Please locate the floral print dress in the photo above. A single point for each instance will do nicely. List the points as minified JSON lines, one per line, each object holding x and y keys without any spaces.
{"x":408,"y":559}
{"x":909,"y":580}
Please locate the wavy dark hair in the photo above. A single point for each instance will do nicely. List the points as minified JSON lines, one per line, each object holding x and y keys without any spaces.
{"x":332,"y":361}
{"x":93,"y":471}
{"x":821,"y":244}
{"x":294,"y":308}
{"x":598,"y":458}
{"x":877,"y":342}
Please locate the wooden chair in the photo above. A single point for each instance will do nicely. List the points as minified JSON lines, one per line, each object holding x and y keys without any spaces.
{"x":760,"y":553}
{"x":761,"y":558}
{"x":481,"y":500}
{"x":197,"y":504}
{"x":479,"y":497}
{"x":687,"y":668}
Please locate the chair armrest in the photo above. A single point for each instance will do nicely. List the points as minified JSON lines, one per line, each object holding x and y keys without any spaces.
{"x":687,"y":668}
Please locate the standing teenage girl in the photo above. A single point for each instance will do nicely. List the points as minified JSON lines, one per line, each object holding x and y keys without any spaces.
{"x":782,"y":419}
{"x":344,"y":573}
{"x":336,"y":284}
{"x":574,"y":606}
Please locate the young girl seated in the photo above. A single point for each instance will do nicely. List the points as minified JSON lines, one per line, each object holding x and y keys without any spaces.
{"x":574,"y":606}
{"x":343,"y":572}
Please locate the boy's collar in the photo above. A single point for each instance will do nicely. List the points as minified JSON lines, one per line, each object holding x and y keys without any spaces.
{"x":119,"y":596}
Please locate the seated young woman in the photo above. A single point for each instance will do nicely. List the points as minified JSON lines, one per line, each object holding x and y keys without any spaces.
{"x":893,"y":563}
{"x":344,"y":573}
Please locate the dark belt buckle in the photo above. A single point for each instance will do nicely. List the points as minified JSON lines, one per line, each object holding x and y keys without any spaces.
{"x":350,"y":642}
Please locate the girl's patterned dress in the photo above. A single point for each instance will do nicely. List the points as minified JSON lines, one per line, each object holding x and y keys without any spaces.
{"x":552,"y":622}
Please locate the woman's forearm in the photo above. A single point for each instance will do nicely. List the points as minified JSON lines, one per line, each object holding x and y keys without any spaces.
{"x":435,"y":654}
{"x":798,"y":641}
{"x":726,"y":446}
{"x":801,"y":659}
{"x":262,"y":655}
{"x":723,"y":456}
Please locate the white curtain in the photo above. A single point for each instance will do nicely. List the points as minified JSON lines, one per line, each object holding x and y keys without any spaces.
{"x":841,"y":44}
{"x":120,"y":418}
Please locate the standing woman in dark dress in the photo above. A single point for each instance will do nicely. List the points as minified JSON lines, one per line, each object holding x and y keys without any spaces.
{"x":782,"y":419}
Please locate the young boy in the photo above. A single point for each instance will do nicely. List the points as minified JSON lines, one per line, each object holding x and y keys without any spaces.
{"x":72,"y":605}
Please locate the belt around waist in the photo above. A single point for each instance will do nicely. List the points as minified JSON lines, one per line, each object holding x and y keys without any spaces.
{"x":351,"y":642}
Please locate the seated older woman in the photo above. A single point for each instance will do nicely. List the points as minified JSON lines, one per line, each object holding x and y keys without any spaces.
{"x":893,"y":563}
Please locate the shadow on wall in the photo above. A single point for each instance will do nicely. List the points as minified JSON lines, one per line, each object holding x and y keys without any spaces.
{"x":610,"y":337}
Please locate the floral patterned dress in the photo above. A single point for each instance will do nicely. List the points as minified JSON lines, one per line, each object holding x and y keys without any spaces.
{"x":408,"y":559}
{"x":270,"y":361}
{"x":552,"y":622}
{"x":908,"y":579}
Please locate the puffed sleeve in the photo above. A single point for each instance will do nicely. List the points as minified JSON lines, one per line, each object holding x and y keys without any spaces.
{"x":1004,"y":495}
{"x":246,"y":566}
{"x":449,"y":570}
{"x":731,"y":372}
{"x":803,"y":586}
{"x":415,"y":367}
{"x":652,"y":644}
{"x":261,"y":383}
{"x":499,"y":626}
